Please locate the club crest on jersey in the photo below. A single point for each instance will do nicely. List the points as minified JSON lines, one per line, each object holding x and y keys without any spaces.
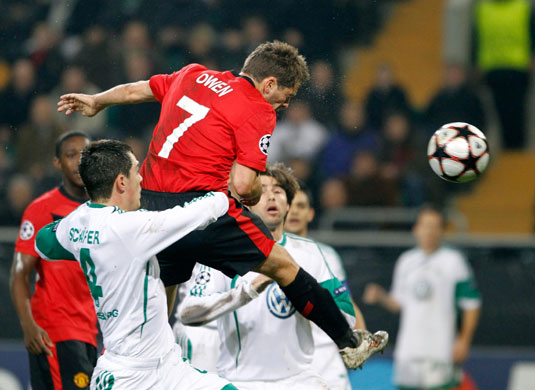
{"x":26,"y":230}
{"x":81,"y":380}
{"x":422,"y":290}
{"x":277,"y":303}
{"x":263,"y":144}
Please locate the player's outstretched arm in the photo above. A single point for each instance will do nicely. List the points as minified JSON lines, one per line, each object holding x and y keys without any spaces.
{"x":200,"y":309}
{"x":91,"y":105}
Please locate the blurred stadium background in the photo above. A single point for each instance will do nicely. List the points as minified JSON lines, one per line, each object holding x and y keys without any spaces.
{"x":385,"y":75}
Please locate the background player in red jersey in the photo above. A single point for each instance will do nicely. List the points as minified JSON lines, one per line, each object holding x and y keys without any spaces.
{"x":59,"y":320}
{"x":215,"y":125}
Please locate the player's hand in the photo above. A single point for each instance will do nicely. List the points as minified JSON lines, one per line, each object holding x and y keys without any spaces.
{"x":71,"y":102}
{"x":373,"y":293}
{"x":36,"y":340}
{"x":460,"y":350}
{"x":260,"y":283}
{"x":251,"y":201}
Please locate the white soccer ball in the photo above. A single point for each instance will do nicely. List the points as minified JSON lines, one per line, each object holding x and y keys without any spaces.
{"x":458,"y":152}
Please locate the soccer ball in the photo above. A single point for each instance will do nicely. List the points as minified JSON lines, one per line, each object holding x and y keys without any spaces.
{"x":458,"y":152}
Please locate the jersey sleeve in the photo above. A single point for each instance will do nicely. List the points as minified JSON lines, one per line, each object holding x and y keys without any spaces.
{"x":33,"y":219}
{"x":48,"y":246}
{"x":329,"y":281}
{"x":211,"y":297}
{"x":149,"y":232}
{"x":159,"y":84}
{"x":252,"y":140}
{"x":467,"y":294}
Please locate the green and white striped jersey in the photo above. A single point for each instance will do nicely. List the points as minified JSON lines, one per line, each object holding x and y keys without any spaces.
{"x":429,"y":289}
{"x":116,"y":251}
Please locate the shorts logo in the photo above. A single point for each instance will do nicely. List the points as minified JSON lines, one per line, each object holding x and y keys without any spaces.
{"x":263,"y":144}
{"x":26,"y":230}
{"x":202,"y":278}
{"x":277,"y":303}
{"x":81,"y":380}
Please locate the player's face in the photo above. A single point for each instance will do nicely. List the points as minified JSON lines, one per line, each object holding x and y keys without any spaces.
{"x":300,"y":215}
{"x":278,"y":97}
{"x":273,"y":205}
{"x":69,"y":158}
{"x":429,"y":230}
{"x":133,"y":186}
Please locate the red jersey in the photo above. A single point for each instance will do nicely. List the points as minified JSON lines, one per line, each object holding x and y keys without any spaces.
{"x":208,"y":120}
{"x":62,"y":304}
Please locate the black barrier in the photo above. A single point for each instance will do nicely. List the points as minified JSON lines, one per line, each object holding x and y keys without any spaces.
{"x":505,"y":276}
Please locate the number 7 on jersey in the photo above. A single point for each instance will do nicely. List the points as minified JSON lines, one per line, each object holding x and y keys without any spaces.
{"x":197,"y":112}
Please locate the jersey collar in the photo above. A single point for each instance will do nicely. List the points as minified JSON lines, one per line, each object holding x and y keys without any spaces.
{"x":283,"y":240}
{"x":64,"y":192}
{"x":236,"y":74}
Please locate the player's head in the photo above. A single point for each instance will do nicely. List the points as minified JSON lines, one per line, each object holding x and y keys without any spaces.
{"x":69,"y":146}
{"x":301,"y":212}
{"x":110,"y":169}
{"x":278,"y":71}
{"x":278,"y":190}
{"x":429,"y":228}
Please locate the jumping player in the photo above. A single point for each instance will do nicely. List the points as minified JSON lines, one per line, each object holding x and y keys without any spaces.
{"x":116,"y":246}
{"x":58,"y":320}
{"x":215,"y":126}
{"x":265,"y":343}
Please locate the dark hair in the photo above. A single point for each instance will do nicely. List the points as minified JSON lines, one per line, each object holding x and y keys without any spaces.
{"x":66,"y":136}
{"x":101,"y":162}
{"x":308,"y":193}
{"x":277,"y":59}
{"x":284,"y":177}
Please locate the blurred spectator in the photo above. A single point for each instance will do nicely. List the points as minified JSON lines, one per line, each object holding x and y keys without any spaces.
{"x":36,"y":139}
{"x":455,"y":101}
{"x":255,"y":31}
{"x":366,"y":186}
{"x":16,"y":98}
{"x":99,"y":57}
{"x":403,"y":158}
{"x":74,"y":79}
{"x":136,"y":120}
{"x":323,"y":93}
{"x":138,"y":146}
{"x":350,"y":137}
{"x":201,"y":41}
{"x":298,"y":135}
{"x":333,"y":195}
{"x":7,"y":170}
{"x":385,"y":96}
{"x":232,"y":50}
{"x":171,"y":40}
{"x":44,"y":53}
{"x":20,"y":192}
{"x":504,"y":45}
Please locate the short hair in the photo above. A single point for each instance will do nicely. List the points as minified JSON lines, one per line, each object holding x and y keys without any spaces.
{"x":431,"y":208}
{"x":284,"y":177}
{"x":280,"y":60}
{"x":66,"y":136}
{"x":101,"y":162}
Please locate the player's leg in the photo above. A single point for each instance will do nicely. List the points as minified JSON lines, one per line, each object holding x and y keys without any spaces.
{"x":308,"y":297}
{"x":42,"y":371}
{"x":76,"y":363}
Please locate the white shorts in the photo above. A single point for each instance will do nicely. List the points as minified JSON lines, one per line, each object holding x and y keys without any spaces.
{"x":425,"y":373}
{"x":200,"y":345}
{"x":329,"y":364}
{"x":307,"y":380}
{"x":114,"y":372}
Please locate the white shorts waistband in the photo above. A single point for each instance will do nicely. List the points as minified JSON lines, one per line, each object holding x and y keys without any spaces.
{"x":139,"y":363}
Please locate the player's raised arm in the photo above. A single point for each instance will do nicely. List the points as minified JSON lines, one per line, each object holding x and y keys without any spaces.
{"x":208,"y":301}
{"x":91,"y":105}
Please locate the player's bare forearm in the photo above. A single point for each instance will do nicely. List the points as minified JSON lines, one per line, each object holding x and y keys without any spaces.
{"x":170,"y":292}
{"x":376,"y":294}
{"x":245,"y":182}
{"x":19,"y":284}
{"x":469,"y":324}
{"x":359,"y":318}
{"x":90,"y":105}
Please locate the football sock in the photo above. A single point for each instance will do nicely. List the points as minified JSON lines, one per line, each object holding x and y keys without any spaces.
{"x":316,"y":304}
